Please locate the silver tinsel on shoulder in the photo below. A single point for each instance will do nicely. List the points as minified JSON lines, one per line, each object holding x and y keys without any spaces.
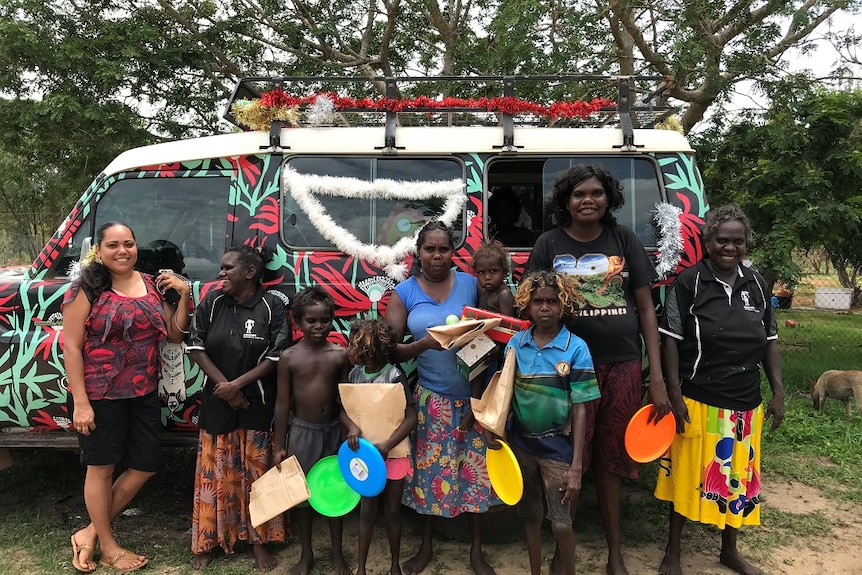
{"x":670,"y":244}
{"x":322,"y":111}
{"x":74,"y":270}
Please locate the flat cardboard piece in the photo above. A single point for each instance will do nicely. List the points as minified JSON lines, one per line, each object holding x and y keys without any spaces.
{"x":277,"y":491}
{"x":377,"y":409}
{"x":492,"y":409}
{"x":461,"y":333}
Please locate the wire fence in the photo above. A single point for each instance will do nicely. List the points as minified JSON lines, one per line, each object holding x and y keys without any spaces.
{"x":819,"y":323}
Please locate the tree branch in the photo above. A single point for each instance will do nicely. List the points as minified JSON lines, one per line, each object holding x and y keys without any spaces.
{"x":228,"y":64}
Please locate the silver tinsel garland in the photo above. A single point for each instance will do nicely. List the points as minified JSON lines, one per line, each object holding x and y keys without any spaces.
{"x":670,"y":243}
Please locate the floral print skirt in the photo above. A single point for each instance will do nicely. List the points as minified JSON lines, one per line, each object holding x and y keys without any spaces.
{"x":450,"y":475}
{"x":227,"y":465}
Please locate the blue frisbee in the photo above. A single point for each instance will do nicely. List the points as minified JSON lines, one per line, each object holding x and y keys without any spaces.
{"x":364,"y":469}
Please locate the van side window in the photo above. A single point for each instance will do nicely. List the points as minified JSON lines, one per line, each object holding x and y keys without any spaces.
{"x":520,"y":207}
{"x":179,"y":223}
{"x":381,"y":221}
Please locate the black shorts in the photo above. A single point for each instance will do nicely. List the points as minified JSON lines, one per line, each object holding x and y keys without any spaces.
{"x":128,"y":431}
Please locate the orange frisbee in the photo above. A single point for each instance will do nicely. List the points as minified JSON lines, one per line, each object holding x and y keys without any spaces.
{"x":647,"y":442}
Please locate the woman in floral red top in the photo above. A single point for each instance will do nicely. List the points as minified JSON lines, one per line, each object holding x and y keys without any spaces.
{"x":115,"y":321}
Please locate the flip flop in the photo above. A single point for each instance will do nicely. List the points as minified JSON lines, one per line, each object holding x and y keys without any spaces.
{"x":76,"y":550}
{"x":122,"y":554}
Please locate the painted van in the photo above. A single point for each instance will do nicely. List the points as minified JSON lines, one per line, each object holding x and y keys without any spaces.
{"x":337,"y":188}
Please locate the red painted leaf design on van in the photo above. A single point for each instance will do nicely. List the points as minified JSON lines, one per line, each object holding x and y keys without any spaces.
{"x":47,"y":346}
{"x":519,"y":260}
{"x":41,"y":421}
{"x":7,"y":301}
{"x":266,"y":219}
{"x":348,"y":300}
{"x":163,"y":170}
{"x":250,"y":171}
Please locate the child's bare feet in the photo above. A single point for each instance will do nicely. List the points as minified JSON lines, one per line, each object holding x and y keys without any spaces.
{"x":395,"y":569}
{"x":306,"y":562}
{"x":201,"y":560}
{"x":478,"y":563}
{"x":265,"y":560}
{"x":339,"y":565}
{"x":615,"y":565}
{"x":735,"y":561}
{"x":670,"y":563}
{"x":418,"y":562}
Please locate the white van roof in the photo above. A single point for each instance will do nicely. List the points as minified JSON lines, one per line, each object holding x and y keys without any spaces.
{"x":422,"y":140}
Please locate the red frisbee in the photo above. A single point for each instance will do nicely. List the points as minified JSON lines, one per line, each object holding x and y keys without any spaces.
{"x":647,"y":442}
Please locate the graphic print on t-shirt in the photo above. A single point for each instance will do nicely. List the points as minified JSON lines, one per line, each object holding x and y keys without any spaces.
{"x":599,"y":277}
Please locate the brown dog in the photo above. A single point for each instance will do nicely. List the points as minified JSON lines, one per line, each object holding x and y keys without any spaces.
{"x":841,"y":385}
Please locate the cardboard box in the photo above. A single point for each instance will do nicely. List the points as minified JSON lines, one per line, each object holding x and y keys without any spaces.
{"x":508,"y":327}
{"x":476,"y":356}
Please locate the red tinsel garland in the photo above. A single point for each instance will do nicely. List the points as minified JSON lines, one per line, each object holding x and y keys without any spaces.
{"x":278,"y":98}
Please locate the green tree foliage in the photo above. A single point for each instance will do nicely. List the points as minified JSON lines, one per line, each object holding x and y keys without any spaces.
{"x":797,"y":172}
{"x":176,"y":61}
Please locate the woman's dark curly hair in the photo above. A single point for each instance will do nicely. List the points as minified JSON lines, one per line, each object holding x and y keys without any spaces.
{"x":249,"y":256}
{"x":95,"y":278}
{"x":434,"y":225}
{"x":570,"y":296}
{"x":574,"y":176}
{"x":372,"y":341}
{"x":312,"y":295}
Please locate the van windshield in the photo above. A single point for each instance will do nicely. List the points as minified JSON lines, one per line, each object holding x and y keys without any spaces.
{"x":380,"y":221}
{"x":179,"y":223}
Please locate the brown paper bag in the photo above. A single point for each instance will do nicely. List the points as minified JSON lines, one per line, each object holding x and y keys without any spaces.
{"x":492,"y":409}
{"x":277,"y":491}
{"x":378,"y":410}
{"x":461,"y":333}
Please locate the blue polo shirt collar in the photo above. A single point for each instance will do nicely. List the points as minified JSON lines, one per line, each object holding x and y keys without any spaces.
{"x":561,"y":341}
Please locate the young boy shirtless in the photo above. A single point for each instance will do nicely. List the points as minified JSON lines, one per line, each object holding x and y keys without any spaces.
{"x":307,"y":407}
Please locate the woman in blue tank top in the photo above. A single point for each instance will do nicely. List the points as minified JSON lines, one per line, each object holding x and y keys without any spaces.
{"x":449,"y":456}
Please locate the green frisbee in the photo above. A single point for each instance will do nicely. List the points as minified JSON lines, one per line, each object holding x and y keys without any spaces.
{"x":330,"y":494}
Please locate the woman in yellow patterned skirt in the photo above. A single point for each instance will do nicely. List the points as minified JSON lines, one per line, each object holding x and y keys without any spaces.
{"x":717,"y":329}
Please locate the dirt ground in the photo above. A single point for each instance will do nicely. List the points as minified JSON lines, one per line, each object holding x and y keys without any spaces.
{"x":838,"y":554}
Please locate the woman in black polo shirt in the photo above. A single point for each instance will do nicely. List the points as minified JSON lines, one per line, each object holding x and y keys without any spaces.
{"x":237,"y":335}
{"x":718,"y":327}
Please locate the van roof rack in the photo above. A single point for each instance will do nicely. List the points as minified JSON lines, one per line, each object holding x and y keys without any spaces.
{"x":624,"y":102}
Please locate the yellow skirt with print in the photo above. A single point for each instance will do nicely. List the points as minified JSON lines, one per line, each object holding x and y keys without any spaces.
{"x":711,"y":473}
